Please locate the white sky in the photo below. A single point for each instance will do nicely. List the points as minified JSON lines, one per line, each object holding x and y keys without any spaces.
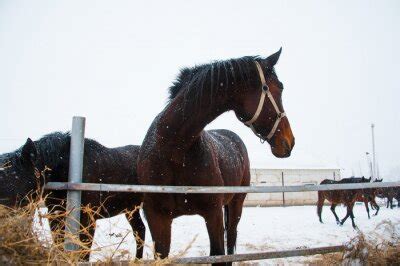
{"x":112,"y":61}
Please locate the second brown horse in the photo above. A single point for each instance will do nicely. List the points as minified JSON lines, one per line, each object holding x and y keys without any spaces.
{"x":345,"y":197}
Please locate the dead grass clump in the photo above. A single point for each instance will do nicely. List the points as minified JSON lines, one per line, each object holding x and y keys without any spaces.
{"x":18,"y":242}
{"x":381,"y":247}
{"x":25,"y":240}
{"x":23,"y":243}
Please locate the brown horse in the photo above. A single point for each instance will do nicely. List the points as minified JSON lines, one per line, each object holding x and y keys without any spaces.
{"x":345,"y":197}
{"x":100,"y":165}
{"x":368,"y":196}
{"x":178,"y":151}
{"x":390,"y":193}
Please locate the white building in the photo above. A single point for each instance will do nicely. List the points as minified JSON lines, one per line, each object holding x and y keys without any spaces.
{"x":287,"y":177}
{"x":301,"y":169}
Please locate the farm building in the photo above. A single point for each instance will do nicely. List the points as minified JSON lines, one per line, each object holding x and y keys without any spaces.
{"x":269,"y":171}
{"x":287,"y":177}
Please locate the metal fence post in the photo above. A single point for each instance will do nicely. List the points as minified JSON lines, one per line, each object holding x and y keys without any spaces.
{"x":72,"y":224}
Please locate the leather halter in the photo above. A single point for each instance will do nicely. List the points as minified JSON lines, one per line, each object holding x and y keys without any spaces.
{"x":265,"y":92}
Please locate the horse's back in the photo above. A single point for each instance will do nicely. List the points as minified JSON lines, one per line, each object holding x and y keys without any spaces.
{"x":328,"y":181}
{"x":104,"y":165}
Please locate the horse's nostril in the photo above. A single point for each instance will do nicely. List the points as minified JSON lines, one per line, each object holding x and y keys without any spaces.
{"x":285,"y":145}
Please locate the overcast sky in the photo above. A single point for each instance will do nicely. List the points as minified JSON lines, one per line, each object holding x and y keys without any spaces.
{"x":112,"y":62}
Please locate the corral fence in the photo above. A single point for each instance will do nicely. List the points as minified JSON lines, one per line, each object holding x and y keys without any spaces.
{"x":74,"y":186}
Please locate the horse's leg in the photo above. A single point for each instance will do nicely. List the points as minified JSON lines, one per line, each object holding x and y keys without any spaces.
{"x":215,"y":227}
{"x":57,"y":225}
{"x":87,"y":234}
{"x":138,"y":227}
{"x":352,"y":216}
{"x":372,"y":205}
{"x":376,"y":206}
{"x":234,"y":209}
{"x":160,"y":229}
{"x":391,"y":202}
{"x":348,"y":213}
{"x":320,"y":204}
{"x":366,"y":207}
{"x":56,"y":214}
{"x":333,"y":206}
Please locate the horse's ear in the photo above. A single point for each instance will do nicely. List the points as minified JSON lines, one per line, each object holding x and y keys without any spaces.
{"x":29,"y":152}
{"x":271,"y":60}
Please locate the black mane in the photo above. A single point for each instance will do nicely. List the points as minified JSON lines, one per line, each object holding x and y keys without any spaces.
{"x":216,"y":78}
{"x":51,"y":146}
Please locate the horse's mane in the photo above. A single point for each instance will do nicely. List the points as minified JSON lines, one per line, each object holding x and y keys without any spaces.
{"x":208,"y":81}
{"x":51,"y":146}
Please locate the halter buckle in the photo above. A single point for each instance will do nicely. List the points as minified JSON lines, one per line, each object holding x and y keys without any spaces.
{"x":265,"y":92}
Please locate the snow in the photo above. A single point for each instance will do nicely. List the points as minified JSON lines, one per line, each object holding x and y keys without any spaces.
{"x":260,"y":229}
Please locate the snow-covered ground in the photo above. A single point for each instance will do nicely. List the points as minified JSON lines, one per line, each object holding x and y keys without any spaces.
{"x":260,"y":229}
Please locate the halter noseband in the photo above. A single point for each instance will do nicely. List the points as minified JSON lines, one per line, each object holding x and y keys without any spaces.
{"x":265,"y":92}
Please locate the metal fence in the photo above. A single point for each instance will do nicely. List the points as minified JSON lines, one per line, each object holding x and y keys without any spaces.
{"x":74,"y":186}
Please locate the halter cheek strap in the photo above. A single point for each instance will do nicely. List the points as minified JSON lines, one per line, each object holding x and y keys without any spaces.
{"x":265,"y":92}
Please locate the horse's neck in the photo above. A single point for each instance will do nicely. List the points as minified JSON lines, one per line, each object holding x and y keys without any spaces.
{"x":179,"y":128}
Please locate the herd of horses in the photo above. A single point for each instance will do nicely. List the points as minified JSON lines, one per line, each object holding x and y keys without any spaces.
{"x":349,"y":197}
{"x":175,"y":151}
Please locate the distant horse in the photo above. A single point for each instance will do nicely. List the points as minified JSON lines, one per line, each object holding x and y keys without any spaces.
{"x":397,"y":195}
{"x":20,"y":176}
{"x":389,"y":193}
{"x":345,"y":197}
{"x":368,"y":196}
{"x":178,"y":151}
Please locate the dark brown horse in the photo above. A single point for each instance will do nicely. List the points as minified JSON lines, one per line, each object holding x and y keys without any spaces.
{"x":389,"y":193}
{"x":345,"y":197}
{"x":19,"y":177}
{"x":178,"y":151}
{"x":368,"y":196}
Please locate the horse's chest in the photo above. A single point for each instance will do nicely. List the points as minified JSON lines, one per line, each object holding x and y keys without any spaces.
{"x":183,"y":204}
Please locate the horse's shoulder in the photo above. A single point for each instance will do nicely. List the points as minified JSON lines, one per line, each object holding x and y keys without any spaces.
{"x":225,"y":134}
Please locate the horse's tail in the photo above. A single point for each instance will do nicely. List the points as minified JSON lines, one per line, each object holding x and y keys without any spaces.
{"x":226,"y":220}
{"x":320,"y":204}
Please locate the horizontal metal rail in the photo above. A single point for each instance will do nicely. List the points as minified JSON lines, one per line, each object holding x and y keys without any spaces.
{"x":212,"y":189}
{"x":235,"y":257}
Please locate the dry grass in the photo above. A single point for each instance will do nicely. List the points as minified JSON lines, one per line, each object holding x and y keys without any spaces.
{"x":18,"y":241}
{"x":381,"y":247}
{"x":23,"y":243}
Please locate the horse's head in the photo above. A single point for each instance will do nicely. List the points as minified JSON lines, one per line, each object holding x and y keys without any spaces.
{"x":260,"y":107}
{"x":20,"y":174}
{"x":365,"y":180}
